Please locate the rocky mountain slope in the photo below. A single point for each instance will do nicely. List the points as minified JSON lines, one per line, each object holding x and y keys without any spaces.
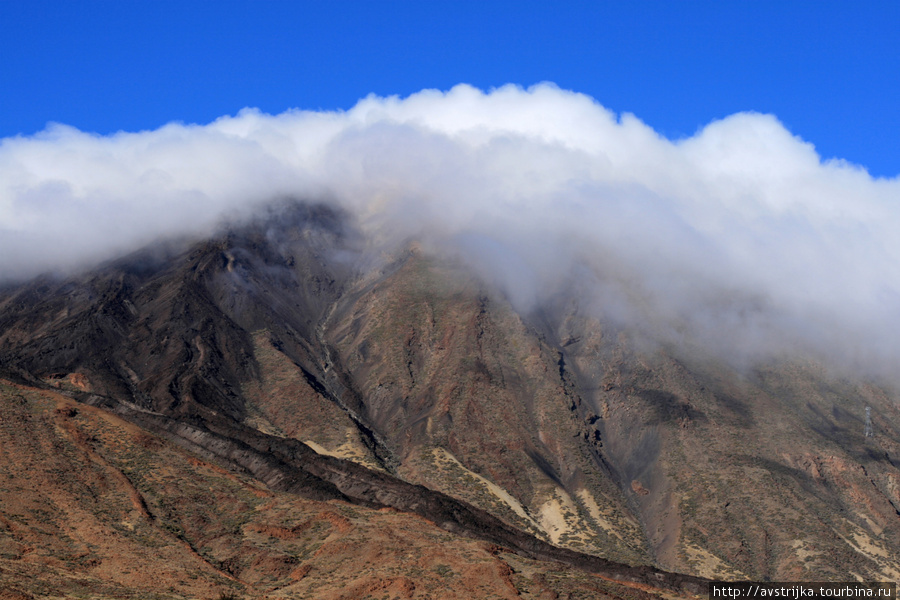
{"x":291,"y":353}
{"x":96,"y":507}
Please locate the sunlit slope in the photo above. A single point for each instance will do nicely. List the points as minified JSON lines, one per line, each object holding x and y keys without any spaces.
{"x":567,"y":427}
{"x":92,"y":506}
{"x":474,"y":403}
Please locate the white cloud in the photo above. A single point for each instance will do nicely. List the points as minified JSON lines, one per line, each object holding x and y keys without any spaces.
{"x":739,"y":234}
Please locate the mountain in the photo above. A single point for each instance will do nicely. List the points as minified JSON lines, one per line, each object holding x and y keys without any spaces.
{"x":290,"y":398}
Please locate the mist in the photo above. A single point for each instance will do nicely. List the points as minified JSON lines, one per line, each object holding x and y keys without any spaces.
{"x":739,"y":238}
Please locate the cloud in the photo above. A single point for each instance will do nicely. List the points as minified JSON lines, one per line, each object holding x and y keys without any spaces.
{"x":739,"y":236}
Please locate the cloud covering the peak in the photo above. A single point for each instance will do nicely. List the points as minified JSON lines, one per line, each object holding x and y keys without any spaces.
{"x":739,"y":236}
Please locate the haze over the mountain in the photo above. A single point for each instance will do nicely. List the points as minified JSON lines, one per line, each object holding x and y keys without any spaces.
{"x":284,"y":351}
{"x":738,"y":240}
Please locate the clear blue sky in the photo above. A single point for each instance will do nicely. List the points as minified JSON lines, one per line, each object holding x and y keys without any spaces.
{"x":829,"y":70}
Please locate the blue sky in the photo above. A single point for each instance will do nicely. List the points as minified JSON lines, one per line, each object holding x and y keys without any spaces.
{"x":830,"y":71}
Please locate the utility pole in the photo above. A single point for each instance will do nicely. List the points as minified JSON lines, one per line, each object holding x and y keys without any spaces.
{"x":868,"y":432}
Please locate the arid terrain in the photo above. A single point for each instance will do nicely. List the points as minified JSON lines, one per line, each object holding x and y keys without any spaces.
{"x":95,"y":507}
{"x":282,"y":412}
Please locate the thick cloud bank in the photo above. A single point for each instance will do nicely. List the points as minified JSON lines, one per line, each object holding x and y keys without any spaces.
{"x":740,"y":236}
